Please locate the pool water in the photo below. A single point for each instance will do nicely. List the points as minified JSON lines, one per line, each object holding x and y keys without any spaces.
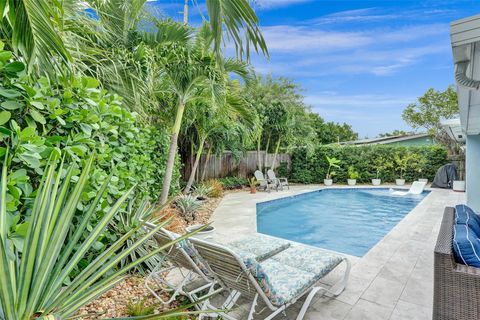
{"x":351,"y":221}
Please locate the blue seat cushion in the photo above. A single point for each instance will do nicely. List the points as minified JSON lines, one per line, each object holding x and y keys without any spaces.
{"x":260,"y":245}
{"x":466,"y":245}
{"x":465,"y":215}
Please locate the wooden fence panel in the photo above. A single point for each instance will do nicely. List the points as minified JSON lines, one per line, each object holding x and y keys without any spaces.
{"x":227,"y":165}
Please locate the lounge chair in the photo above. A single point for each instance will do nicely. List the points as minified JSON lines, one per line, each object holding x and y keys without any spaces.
{"x":195,"y":280}
{"x":281,"y":182}
{"x":263,"y":183}
{"x":279,"y":281}
{"x":416,"y":188}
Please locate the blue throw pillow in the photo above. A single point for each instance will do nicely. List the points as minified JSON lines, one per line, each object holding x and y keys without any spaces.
{"x":466,"y":245}
{"x":465,"y":215}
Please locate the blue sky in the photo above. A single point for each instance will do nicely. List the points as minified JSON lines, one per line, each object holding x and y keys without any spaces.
{"x":359,"y":62}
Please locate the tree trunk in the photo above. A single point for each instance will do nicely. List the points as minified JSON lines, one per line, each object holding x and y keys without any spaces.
{"x":195,"y":166}
{"x":277,"y":147}
{"x":266,"y":152}
{"x":185,"y":12}
{"x":207,"y":158}
{"x":172,"y":152}
{"x":259,"y":158}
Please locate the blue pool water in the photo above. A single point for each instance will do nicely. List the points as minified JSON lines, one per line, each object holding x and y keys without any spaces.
{"x":351,"y":221}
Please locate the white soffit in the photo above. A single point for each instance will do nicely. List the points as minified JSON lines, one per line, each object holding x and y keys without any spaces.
{"x":465,"y":37}
{"x":454,"y":129}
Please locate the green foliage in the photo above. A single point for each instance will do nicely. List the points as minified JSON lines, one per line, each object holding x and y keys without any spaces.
{"x":252,"y":182}
{"x":368,"y":160}
{"x":430,"y":109}
{"x":35,"y":272}
{"x":331,"y":132}
{"x":216,"y":188}
{"x":332,"y":163}
{"x":353,"y":173}
{"x":201,"y":191}
{"x":47,"y":117}
{"x":139,"y":308}
{"x":187,"y":206}
{"x":230,"y":183}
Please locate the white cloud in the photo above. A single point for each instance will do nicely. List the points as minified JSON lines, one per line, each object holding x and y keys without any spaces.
{"x":362,"y":101}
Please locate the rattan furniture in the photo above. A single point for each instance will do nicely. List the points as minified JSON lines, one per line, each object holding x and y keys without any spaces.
{"x":456,"y":286}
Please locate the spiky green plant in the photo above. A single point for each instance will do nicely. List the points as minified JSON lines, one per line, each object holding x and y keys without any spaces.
{"x":33,"y":278}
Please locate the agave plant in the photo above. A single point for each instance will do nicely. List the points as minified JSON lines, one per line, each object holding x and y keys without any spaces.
{"x":34,"y":280}
{"x":187,"y":206}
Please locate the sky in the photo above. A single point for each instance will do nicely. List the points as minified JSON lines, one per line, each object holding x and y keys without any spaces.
{"x":359,"y":62}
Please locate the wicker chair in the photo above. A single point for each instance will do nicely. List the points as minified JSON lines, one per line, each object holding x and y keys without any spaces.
{"x":456,"y":286}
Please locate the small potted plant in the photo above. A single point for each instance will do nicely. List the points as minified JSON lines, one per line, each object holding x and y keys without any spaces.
{"x":253,"y":185}
{"x":352,"y":176}
{"x":420,"y":163}
{"x":332,"y":163}
{"x":379,"y":164}
{"x":402,"y":162}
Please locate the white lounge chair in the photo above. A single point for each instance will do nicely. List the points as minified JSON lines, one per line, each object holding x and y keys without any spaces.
{"x":263,"y":183}
{"x":281,"y":182}
{"x":279,"y":280}
{"x":180,"y":259}
{"x":416,"y":188}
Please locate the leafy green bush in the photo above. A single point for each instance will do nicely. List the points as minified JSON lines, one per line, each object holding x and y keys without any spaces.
{"x":40,"y":117}
{"x":312,"y":167}
{"x":230,"y":183}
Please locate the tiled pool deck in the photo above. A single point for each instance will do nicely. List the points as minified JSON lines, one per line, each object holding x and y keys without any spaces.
{"x":394,"y":280}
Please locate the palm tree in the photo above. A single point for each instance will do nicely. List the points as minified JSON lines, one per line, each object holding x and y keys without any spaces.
{"x":40,"y":30}
{"x":224,"y":118}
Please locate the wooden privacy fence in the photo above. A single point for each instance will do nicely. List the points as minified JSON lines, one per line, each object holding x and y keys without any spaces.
{"x":227,"y":165}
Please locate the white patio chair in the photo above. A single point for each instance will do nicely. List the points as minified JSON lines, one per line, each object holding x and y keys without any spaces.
{"x":281,"y":182}
{"x":278,"y":281}
{"x":263,"y":183}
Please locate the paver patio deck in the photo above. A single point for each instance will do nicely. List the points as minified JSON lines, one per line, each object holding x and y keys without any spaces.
{"x":394,"y":280}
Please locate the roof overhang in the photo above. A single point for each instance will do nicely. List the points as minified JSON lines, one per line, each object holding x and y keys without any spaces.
{"x":465,"y":38}
{"x":454,"y":129}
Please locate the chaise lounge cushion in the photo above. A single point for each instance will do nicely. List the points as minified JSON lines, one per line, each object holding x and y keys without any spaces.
{"x":260,"y":245}
{"x":281,"y":283}
{"x":466,"y":245}
{"x":309,"y":259}
{"x":286,"y":275}
{"x":465,"y":215}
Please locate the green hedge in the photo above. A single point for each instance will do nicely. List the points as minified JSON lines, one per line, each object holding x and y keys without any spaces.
{"x":312,"y":167}
{"x":75,"y":118}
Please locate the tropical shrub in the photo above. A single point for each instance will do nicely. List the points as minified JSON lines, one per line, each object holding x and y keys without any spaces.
{"x":40,"y":117}
{"x":187,"y":207}
{"x":216,"y":188}
{"x":310,"y":167}
{"x":202,"y":191}
{"x":35,"y":273}
{"x":332,"y":163}
{"x":230,"y":183}
{"x":353,"y":173}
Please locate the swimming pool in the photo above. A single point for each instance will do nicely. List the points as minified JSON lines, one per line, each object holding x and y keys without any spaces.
{"x":349,"y":220}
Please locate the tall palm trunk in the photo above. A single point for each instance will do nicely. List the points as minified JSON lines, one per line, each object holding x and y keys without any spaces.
{"x":266,"y":151}
{"x":207,"y":158}
{"x":172,"y":152}
{"x":277,"y":147}
{"x":195,"y":166}
{"x":259,"y":158}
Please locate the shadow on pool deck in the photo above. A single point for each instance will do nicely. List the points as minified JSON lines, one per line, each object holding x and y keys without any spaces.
{"x":394,"y":280}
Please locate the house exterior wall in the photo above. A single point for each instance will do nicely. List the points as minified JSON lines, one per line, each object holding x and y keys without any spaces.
{"x":473,"y":171}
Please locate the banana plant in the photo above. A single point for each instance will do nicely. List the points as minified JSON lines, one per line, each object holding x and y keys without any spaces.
{"x":35,"y":279}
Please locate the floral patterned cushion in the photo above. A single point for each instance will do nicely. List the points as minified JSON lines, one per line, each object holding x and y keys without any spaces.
{"x":260,"y":245}
{"x":281,"y":283}
{"x":309,"y":259}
